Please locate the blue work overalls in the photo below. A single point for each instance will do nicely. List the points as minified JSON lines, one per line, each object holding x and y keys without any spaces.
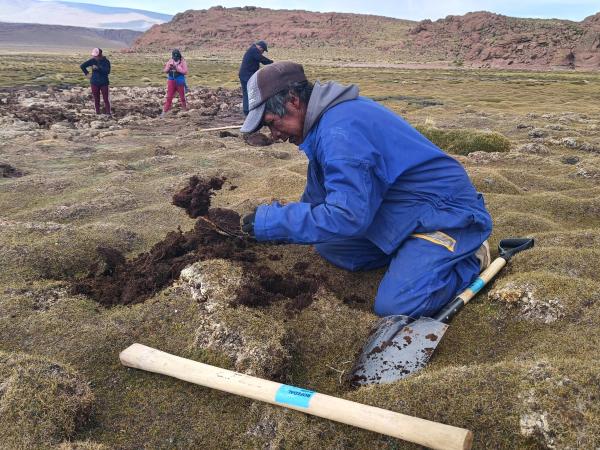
{"x":379,"y":193}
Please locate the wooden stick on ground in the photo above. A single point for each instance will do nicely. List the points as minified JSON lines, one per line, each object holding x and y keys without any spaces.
{"x":420,"y":431}
{"x":228,"y":127}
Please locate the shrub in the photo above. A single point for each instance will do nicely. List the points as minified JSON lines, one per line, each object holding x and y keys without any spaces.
{"x":465,"y":141}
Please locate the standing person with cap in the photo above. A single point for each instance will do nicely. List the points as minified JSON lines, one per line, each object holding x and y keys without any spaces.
{"x":250,"y":64}
{"x":100,"y":66}
{"x":176,"y":70}
{"x":378,"y":193}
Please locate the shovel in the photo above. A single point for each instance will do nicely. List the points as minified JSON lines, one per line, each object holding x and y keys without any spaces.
{"x":401,"y":345}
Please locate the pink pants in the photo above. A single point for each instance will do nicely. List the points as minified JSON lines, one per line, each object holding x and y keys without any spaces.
{"x":172,"y":86}
{"x":96,"y":90}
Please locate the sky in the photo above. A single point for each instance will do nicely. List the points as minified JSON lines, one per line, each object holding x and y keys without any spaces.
{"x":404,"y":9}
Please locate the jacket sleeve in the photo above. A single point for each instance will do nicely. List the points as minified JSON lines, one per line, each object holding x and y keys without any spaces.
{"x":353,"y":196}
{"x":167,"y":66}
{"x":85,"y":65}
{"x":265,"y":60}
{"x":181,"y":67}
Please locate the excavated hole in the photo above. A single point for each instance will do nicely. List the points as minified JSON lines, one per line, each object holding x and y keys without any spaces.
{"x":113,"y":280}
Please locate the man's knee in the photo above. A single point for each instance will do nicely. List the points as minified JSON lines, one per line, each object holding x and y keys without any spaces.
{"x":336,"y":258}
{"x":408,"y":302}
{"x":353,"y":255}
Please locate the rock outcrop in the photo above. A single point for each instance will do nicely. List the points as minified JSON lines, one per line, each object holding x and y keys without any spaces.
{"x":483,"y":39}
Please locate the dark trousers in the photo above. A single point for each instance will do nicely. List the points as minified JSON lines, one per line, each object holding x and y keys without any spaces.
{"x":96,"y":90}
{"x":244,"y":84}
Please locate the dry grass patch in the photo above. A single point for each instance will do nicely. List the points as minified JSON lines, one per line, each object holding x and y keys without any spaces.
{"x":41,"y":402}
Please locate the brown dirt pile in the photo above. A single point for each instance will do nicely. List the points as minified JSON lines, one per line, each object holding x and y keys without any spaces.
{"x":8,"y":171}
{"x":131,"y":106}
{"x":113,"y":280}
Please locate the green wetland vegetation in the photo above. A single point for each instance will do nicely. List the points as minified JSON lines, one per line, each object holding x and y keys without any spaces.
{"x":519,"y":366}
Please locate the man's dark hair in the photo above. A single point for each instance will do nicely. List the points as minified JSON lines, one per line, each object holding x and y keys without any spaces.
{"x":276,"y":104}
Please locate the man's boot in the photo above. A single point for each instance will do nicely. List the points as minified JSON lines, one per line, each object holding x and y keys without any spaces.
{"x":483,"y":255}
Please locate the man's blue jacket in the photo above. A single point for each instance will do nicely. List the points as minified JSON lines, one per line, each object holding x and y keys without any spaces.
{"x":371,"y":175}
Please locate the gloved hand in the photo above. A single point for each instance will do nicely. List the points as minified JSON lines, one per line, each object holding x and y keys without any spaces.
{"x":248,"y":223}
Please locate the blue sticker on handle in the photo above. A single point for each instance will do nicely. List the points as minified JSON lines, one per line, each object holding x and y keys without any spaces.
{"x":477,"y":285}
{"x":292,"y":395}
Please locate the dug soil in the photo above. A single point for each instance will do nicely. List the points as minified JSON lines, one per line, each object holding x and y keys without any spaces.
{"x":113,"y":280}
{"x":8,"y":171}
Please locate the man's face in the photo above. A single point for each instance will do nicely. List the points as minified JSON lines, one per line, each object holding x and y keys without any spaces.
{"x":290,"y":127}
{"x":260,"y":49}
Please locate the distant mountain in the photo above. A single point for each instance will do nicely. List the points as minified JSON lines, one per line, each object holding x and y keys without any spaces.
{"x":479,"y":39}
{"x":236,"y":28}
{"x":57,"y":36}
{"x":78,"y":14}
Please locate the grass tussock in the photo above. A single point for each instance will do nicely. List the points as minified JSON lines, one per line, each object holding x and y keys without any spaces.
{"x":42,"y":403}
{"x":465,"y":141}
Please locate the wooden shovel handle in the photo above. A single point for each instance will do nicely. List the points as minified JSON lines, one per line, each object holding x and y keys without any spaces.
{"x":483,"y":279}
{"x":420,"y":431}
{"x":227,"y":127}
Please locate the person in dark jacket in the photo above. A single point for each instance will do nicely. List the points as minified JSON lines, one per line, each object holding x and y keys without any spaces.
{"x":250,"y":64}
{"x":100,"y":66}
{"x":378,"y":193}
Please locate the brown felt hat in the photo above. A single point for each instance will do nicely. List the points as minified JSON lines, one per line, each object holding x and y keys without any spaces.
{"x":264,"y":84}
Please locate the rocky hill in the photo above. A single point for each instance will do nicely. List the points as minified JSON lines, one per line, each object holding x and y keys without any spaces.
{"x":490,"y":40}
{"x":236,"y":28}
{"x":57,"y":36}
{"x":479,"y":39}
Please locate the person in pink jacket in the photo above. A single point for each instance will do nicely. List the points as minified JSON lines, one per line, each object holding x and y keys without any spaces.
{"x":176,"y":70}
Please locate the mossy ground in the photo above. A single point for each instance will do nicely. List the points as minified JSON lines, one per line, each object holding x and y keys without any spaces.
{"x":495,"y":366}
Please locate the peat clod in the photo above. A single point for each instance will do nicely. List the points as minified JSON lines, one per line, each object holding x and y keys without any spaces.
{"x":216,"y":235}
{"x":258,"y":139}
{"x":8,"y":171}
{"x":195,"y":197}
{"x":267,"y":286}
{"x":113,"y":280}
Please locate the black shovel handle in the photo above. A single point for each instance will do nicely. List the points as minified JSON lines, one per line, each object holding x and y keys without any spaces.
{"x":510,"y":247}
{"x":507,"y":249}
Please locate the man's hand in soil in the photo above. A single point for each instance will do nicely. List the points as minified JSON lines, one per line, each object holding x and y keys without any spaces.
{"x":248,"y":223}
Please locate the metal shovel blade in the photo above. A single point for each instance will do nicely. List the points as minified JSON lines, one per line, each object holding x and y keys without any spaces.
{"x":398,"y":347}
